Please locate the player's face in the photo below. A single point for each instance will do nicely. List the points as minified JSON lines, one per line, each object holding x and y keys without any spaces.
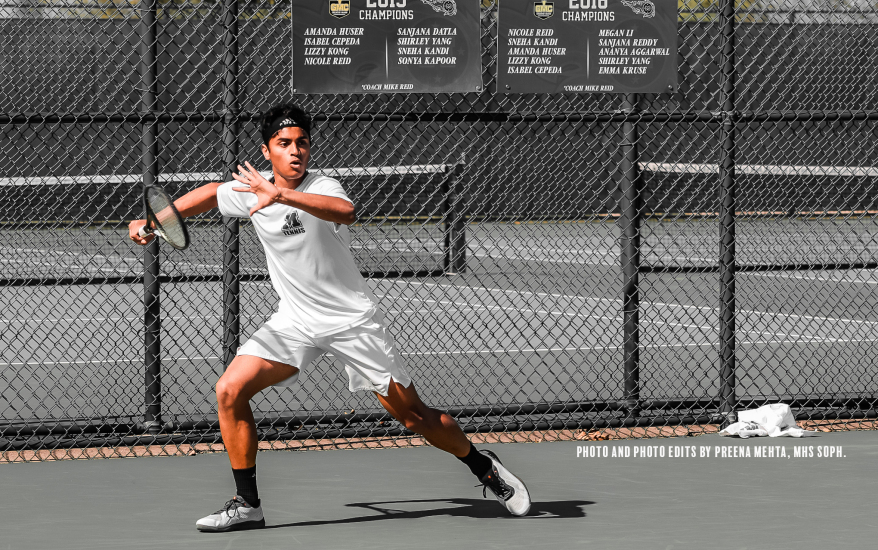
{"x":289,"y":152}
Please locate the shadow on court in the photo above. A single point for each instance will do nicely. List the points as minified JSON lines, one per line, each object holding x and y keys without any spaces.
{"x":460,"y":507}
{"x":697,"y":493}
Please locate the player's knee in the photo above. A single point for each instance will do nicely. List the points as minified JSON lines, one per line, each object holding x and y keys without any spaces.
{"x":420,"y":420}
{"x":413,"y":422}
{"x":227,"y":393}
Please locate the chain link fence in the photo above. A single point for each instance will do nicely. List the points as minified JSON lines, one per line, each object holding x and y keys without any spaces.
{"x":556,"y":261}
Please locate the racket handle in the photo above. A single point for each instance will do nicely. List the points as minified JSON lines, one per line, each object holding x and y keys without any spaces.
{"x":144,"y":231}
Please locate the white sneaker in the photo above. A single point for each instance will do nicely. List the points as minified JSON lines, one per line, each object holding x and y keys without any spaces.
{"x":509,"y":490}
{"x":235,"y":515}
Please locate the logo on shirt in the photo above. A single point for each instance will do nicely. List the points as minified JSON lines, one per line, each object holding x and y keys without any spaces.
{"x":293,"y":225}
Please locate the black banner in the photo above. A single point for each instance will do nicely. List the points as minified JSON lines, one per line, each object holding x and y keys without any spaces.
{"x":620,"y":46}
{"x":386,"y":46}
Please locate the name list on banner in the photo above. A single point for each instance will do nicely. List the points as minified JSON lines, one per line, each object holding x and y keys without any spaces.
{"x":386,"y":46}
{"x":620,"y":46}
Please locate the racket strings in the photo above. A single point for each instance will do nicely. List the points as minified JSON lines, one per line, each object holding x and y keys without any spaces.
{"x":169,"y":224}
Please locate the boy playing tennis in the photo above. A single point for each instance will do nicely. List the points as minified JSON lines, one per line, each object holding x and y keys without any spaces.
{"x":325,"y":307}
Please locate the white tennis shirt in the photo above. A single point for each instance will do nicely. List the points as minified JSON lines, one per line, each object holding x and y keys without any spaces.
{"x":309,"y":260}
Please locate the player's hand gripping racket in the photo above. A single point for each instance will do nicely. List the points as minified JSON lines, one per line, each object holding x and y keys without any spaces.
{"x":163,"y":219}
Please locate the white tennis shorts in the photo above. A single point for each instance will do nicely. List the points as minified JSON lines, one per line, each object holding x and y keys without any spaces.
{"x":367,"y":352}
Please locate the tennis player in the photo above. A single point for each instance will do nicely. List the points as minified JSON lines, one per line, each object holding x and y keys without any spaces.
{"x":325,"y":307}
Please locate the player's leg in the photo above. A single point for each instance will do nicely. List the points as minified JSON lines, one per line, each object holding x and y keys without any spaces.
{"x":443,"y":432}
{"x":245,"y":377}
{"x":372,"y":363}
{"x":438,"y":428}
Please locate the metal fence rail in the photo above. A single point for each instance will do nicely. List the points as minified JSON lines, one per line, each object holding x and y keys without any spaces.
{"x":557,"y":261}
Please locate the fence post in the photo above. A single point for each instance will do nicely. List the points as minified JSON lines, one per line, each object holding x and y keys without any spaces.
{"x":455,"y":222}
{"x":629,"y":225}
{"x":231,"y":226}
{"x":152,"y":419}
{"x":727,"y":219}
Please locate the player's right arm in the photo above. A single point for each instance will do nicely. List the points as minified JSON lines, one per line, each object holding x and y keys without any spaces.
{"x":193,"y":203}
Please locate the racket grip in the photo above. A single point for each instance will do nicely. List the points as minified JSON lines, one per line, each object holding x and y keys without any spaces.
{"x":144,"y":231}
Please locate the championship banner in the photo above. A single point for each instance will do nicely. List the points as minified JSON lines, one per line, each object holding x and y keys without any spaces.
{"x":619,"y":46}
{"x":386,"y":46}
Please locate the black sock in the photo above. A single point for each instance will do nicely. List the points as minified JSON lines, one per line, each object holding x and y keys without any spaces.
{"x":245,"y":481}
{"x":478,"y":463}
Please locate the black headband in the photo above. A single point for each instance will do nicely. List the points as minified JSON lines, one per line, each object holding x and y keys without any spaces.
{"x":281,"y":122}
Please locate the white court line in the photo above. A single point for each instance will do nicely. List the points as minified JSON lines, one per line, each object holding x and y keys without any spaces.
{"x":642,"y":322}
{"x":604,"y":348}
{"x":472,"y":249}
{"x":419,"y":311}
{"x":463,"y":352}
{"x":432,"y":248}
{"x":482,"y":251}
{"x":676,"y":167}
{"x":762,"y":169}
{"x":29,"y":320}
{"x":570,"y":297}
{"x":484,"y":307}
{"x":116,"y":179}
{"x":58,"y":265}
{"x":106,"y":361}
{"x":61,"y":254}
{"x":769,"y":313}
{"x":531,"y":258}
{"x":92,"y":270}
{"x":538,"y":350}
{"x":592,"y":251}
{"x":618,"y":300}
{"x":613,"y":261}
{"x":476,"y":307}
{"x":799,"y":337}
{"x":686,"y":258}
{"x":528,"y":258}
{"x":814,"y":278}
{"x":576,"y":315}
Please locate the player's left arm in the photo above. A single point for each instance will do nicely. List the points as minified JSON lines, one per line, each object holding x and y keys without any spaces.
{"x":331,"y":209}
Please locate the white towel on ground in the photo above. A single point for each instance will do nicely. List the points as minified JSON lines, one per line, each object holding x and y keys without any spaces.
{"x":775,"y":420}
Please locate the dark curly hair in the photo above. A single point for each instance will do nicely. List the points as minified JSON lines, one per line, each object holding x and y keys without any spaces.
{"x":290,"y":110}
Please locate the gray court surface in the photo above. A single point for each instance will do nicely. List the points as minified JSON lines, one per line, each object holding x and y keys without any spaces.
{"x":536,"y":318}
{"x":423,"y":498}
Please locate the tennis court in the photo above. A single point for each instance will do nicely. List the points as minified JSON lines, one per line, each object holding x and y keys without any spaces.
{"x":569,"y":266}
{"x":419,"y":497}
{"x":535,"y":317}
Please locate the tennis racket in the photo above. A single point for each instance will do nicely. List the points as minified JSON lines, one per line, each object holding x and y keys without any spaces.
{"x":163,"y":219}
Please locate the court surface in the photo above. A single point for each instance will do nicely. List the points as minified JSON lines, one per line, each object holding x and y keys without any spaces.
{"x":536,"y":317}
{"x":423,"y":498}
